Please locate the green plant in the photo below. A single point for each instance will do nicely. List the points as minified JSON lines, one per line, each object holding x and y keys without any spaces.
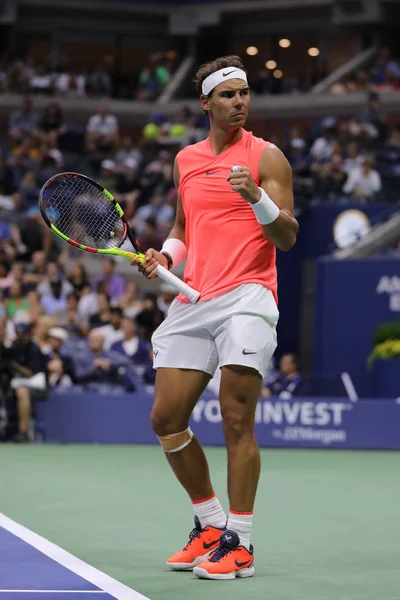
{"x":386,"y":342}
{"x":386,"y":331}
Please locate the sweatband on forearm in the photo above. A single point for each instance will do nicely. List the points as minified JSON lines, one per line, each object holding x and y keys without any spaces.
{"x":265,"y":209}
{"x":176,"y":249}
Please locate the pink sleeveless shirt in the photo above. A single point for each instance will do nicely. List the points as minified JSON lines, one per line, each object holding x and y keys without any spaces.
{"x":226,"y":245}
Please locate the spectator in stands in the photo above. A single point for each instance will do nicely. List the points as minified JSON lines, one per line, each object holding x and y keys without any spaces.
{"x":88,"y":304}
{"x":55,"y":302}
{"x":372,"y":116}
{"x":127,"y":150}
{"x":78,"y":277}
{"x":53,"y":273}
{"x":37,"y":269}
{"x":41,"y":332}
{"x":165,"y":298}
{"x":17,"y":302}
{"x":103,"y":315}
{"x":71,"y":322}
{"x":29,"y":382}
{"x":29,"y":189}
{"x":115,"y":284}
{"x":107,"y":176}
{"x":113,"y":331}
{"x":23,"y":121}
{"x":162,"y":213}
{"x":301,"y":167}
{"x":288,"y":381}
{"x":51,"y":124}
{"x":322,"y":148}
{"x":158,"y":173}
{"x":35,"y":309}
{"x":71,"y":85}
{"x":150,"y":317}
{"x":353,"y":160}
{"x":364,"y":184}
{"x":131,"y":345}
{"x":152,"y":79}
{"x":102,"y":131}
{"x":130,"y":302}
{"x":6,"y":276}
{"x":97,"y":365}
{"x":99,"y":82}
{"x":60,"y":366}
{"x":150,"y":236}
{"x":128,"y":187}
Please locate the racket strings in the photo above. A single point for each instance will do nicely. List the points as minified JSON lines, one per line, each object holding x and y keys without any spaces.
{"x":83,"y":213}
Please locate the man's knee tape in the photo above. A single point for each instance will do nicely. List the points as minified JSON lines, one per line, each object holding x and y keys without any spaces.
{"x":176,"y":441}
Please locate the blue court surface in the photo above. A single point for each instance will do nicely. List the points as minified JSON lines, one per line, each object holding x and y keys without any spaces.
{"x":32,"y":568}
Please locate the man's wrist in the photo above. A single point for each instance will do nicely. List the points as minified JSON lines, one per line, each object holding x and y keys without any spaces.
{"x":170,"y":262}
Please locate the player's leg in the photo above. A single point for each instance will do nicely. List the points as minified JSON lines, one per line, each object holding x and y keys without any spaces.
{"x":175,"y":395}
{"x":185,"y":359}
{"x":245,"y":342}
{"x":239,"y":394}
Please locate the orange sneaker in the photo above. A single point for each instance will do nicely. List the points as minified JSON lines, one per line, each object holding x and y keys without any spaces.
{"x":228,"y":561}
{"x":200,"y":545}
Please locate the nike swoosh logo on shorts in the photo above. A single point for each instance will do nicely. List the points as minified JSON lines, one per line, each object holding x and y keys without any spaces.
{"x":211,"y":172}
{"x":207,"y":546}
{"x":242,"y":564}
{"x":155,"y":353}
{"x":228,"y":73}
{"x":244,"y":351}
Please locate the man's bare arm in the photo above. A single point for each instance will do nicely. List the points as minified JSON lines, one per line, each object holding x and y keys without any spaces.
{"x":276,"y":180}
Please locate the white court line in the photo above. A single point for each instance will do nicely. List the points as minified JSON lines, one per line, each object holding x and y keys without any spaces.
{"x":69,"y":561}
{"x":52,"y":592}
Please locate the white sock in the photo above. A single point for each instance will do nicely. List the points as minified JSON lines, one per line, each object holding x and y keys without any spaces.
{"x":210,"y":512}
{"x":241,"y":523}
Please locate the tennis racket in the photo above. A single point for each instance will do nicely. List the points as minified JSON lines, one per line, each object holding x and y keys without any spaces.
{"x":84,"y":214}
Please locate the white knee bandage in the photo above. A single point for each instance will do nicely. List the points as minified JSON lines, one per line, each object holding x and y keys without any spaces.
{"x":176,"y":441}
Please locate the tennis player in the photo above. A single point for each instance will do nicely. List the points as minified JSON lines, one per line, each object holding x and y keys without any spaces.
{"x":235,"y":206}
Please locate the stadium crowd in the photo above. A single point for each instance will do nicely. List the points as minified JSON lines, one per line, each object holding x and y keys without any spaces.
{"x":27,"y":75}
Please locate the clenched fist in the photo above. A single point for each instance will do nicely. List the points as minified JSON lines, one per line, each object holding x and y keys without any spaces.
{"x":243,"y":183}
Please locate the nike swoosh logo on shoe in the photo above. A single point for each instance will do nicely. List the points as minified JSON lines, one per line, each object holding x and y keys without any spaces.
{"x":207,"y":546}
{"x":242,"y":564}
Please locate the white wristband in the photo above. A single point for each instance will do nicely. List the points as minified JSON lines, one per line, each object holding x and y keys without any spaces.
{"x":265,"y":209}
{"x":176,"y":249}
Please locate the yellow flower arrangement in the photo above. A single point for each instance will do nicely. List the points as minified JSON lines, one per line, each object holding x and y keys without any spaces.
{"x":385,"y":350}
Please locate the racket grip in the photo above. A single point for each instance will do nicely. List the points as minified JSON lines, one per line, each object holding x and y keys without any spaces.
{"x":177,"y":283}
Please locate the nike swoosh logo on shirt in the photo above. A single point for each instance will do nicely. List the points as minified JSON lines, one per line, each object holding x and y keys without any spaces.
{"x":228,"y":73}
{"x":242,"y":564}
{"x":211,"y":172}
{"x":207,"y":546}
{"x":244,"y":351}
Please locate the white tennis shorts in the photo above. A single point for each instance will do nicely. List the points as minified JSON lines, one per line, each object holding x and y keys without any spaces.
{"x":237,"y":328}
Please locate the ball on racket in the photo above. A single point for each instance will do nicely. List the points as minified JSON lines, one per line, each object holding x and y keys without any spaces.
{"x":235,"y":169}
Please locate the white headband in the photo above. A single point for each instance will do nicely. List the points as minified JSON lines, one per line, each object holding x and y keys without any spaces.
{"x":220,"y":76}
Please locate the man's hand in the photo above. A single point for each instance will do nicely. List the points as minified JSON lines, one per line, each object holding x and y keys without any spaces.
{"x":102,"y":363}
{"x":149,"y":266}
{"x":243,"y":183}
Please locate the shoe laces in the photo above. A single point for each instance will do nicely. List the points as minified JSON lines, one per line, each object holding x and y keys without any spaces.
{"x":195,"y":533}
{"x":223,"y":550}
